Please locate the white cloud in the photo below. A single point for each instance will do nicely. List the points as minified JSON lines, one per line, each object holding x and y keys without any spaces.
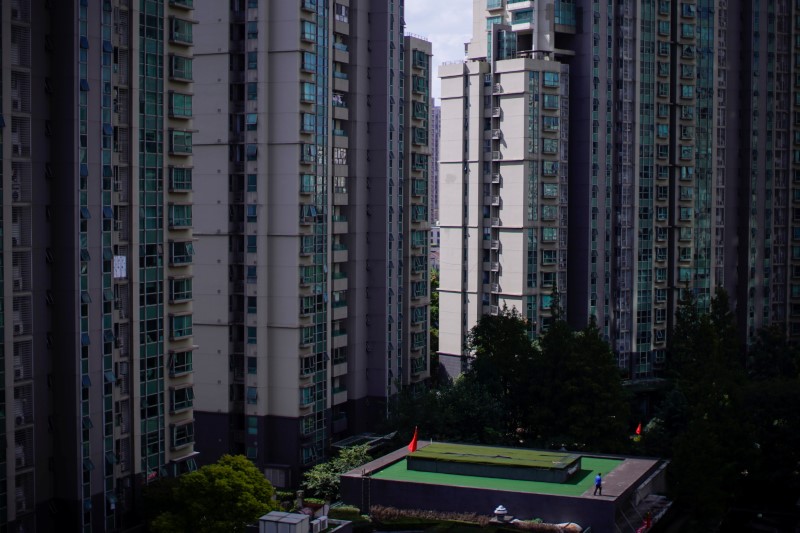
{"x":448,"y":28}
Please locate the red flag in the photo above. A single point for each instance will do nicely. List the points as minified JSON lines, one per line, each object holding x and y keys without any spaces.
{"x":639,"y":429}
{"x":412,"y":446}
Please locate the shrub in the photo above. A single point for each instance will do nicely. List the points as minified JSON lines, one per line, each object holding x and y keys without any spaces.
{"x":345,"y":512}
{"x":389,"y":514}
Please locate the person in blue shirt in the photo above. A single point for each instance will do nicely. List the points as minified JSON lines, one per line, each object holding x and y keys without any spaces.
{"x":598,"y":484}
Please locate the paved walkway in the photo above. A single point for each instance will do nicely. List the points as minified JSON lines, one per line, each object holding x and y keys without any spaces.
{"x":616,"y":482}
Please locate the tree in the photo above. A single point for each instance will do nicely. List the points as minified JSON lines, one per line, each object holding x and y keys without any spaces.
{"x":461,"y":411}
{"x":323,"y":481}
{"x":221,"y":497}
{"x":576,"y":398}
{"x":503,"y":362}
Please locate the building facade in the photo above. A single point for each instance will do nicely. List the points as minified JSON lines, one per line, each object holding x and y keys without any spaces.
{"x":317,"y":307}
{"x":669,"y":189}
{"x":96,"y":176}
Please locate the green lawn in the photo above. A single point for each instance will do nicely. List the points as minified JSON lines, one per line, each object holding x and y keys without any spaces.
{"x":576,"y":486}
{"x":493,"y":455}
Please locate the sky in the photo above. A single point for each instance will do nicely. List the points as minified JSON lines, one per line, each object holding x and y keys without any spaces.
{"x":446,"y":23}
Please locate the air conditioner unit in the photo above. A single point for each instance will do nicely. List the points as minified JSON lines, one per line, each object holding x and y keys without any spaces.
{"x":315,"y":526}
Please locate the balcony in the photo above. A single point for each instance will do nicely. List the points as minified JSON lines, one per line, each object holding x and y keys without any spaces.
{"x":339,"y":368}
{"x":491,"y":310}
{"x":339,"y":338}
{"x":339,"y":395}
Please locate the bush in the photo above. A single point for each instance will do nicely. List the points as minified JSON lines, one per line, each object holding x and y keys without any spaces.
{"x":284,"y":495}
{"x":345,"y":512}
{"x":391,"y":514}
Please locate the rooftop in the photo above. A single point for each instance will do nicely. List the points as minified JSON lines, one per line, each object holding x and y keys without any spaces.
{"x":577,"y":485}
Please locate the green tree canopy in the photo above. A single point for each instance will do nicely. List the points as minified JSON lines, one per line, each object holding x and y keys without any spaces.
{"x":218,"y":498}
{"x":322,"y":480}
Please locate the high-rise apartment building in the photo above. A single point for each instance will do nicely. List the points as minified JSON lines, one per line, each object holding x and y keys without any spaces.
{"x":312,"y":155}
{"x":97,"y":257}
{"x":604,"y":150}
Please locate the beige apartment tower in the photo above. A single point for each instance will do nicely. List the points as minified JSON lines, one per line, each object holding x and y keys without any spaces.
{"x":314,"y":302}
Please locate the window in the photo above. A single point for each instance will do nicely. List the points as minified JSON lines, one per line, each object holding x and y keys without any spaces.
{"x":180,"y":252}
{"x":687,"y":31}
{"x":181,"y":31}
{"x":309,"y":123}
{"x":549,"y":123}
{"x":663,"y":48}
{"x":491,"y":21}
{"x":180,"y":179}
{"x":550,"y":101}
{"x":341,"y":13}
{"x":252,"y":60}
{"x":180,"y":289}
{"x":307,"y":183}
{"x":687,"y":91}
{"x":550,"y":79}
{"x":307,"y":92}
{"x":252,"y":213}
{"x":308,"y":153}
{"x":550,"y":190}
{"x":252,"y":91}
{"x":522,"y":16}
{"x":308,"y":30}
{"x":549,"y":234}
{"x":180,"y":326}
{"x":252,"y":29}
{"x":549,"y":212}
{"x":251,"y":121}
{"x":180,"y":105}
{"x":180,"y":215}
{"x":252,"y":244}
{"x":309,"y":61}
{"x":180,"y":363}
{"x":251,"y":152}
{"x":549,"y":257}
{"x":252,"y":365}
{"x":182,"y":435}
{"x":180,"y":67}
{"x":181,"y":399}
{"x":662,"y":130}
{"x":550,"y":168}
{"x":180,"y":142}
{"x":686,"y":213}
{"x":549,"y":146}
{"x":307,"y":304}
{"x":252,"y":182}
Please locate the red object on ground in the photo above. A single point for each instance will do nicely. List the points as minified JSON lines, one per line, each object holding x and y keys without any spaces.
{"x":639,"y":429}
{"x":412,"y":446}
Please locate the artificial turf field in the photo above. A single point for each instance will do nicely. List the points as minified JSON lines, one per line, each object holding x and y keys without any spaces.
{"x":576,"y":486}
{"x":492,"y":455}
